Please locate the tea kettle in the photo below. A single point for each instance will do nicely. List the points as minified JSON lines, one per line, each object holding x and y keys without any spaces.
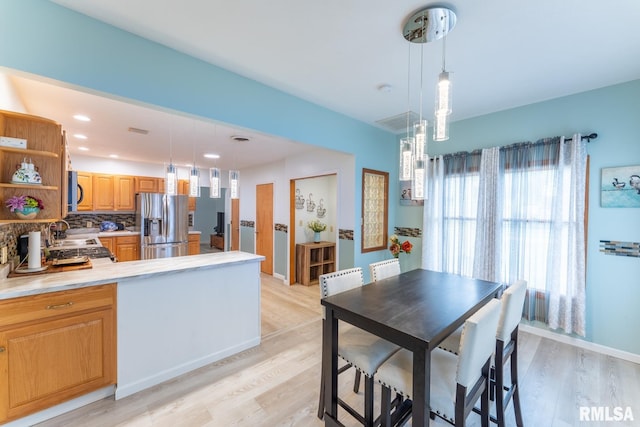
{"x":26,"y":174}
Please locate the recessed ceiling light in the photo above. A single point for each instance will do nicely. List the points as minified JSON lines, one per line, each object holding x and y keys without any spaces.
{"x":83,"y":149}
{"x":113,"y":156}
{"x":82,"y":118}
{"x":212,"y":156}
{"x":79,"y":136}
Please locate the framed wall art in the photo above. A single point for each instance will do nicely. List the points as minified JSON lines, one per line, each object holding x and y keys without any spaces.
{"x":620,"y":187}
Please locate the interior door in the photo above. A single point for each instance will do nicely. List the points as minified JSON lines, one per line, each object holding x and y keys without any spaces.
{"x":264,"y":226}
{"x":235,"y":224}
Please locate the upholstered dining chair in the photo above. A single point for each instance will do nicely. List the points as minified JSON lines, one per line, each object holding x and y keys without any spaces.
{"x":456,"y":382}
{"x":506,"y":350}
{"x":383,"y":269}
{"x":361,"y":350}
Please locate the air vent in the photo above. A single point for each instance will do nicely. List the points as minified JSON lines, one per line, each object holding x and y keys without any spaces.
{"x":240,"y":138}
{"x":138,"y":130}
{"x":398,"y":123}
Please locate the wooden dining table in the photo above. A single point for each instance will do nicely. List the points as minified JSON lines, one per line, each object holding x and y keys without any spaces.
{"x":415,"y":310}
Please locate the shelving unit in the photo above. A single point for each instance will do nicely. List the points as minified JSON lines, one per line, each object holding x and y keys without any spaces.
{"x":46,"y":148}
{"x":314,"y":259}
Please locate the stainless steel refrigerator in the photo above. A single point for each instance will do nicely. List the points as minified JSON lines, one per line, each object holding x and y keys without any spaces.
{"x":163,"y":223}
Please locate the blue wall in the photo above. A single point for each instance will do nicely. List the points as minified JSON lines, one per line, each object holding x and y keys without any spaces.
{"x":42,"y":38}
{"x":613,"y":282}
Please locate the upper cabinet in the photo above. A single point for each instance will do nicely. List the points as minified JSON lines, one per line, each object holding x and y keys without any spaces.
{"x":183,"y":188}
{"x":45,"y":149}
{"x":85,"y":181}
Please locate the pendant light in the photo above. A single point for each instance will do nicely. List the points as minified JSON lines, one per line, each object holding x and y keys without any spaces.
{"x":407,"y":143}
{"x":170,"y":179}
{"x":443,"y":101}
{"x":234,"y":184}
{"x":214,"y":183}
{"x":194,"y":176}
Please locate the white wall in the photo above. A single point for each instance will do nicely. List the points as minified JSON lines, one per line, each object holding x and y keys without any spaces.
{"x":321,"y":188}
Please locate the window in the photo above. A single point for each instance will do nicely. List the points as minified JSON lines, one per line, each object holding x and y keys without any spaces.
{"x":375,"y":196}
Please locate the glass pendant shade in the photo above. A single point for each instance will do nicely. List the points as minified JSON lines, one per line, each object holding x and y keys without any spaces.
{"x":406,"y":159}
{"x":194,"y":182}
{"x":443,"y":94}
{"x":171,"y":182}
{"x":419,"y":172}
{"x":234,"y":184}
{"x":441,"y":127}
{"x":420,"y":139}
{"x":214,"y":182}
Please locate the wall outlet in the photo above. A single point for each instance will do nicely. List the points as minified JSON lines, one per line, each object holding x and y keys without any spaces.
{"x":331,"y":228}
{"x":89,"y":224}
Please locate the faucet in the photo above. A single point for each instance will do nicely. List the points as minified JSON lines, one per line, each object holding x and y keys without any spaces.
{"x":55,"y":234}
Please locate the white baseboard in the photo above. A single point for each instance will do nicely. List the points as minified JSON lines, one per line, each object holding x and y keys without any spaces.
{"x":281,"y":277}
{"x":576,"y":342}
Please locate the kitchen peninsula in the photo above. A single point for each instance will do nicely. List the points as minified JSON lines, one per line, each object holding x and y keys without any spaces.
{"x":173,"y":315}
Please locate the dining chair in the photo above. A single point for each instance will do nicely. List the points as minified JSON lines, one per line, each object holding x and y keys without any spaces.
{"x":383,"y":269}
{"x":456,"y":382}
{"x":506,"y":350}
{"x":361,"y":350}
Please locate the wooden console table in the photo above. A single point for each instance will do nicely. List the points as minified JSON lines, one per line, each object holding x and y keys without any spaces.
{"x":314,"y":259}
{"x":216,"y":241}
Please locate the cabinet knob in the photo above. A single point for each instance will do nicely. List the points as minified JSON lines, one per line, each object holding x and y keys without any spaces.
{"x":2,"y":349}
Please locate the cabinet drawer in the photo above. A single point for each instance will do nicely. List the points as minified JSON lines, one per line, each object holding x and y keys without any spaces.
{"x":43,"y":306}
{"x":127,"y":239}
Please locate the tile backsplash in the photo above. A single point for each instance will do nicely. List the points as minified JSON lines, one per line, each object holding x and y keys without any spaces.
{"x":81,"y":220}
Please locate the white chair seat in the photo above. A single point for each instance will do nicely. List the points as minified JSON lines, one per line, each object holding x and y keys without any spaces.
{"x":365,"y":351}
{"x":397,"y":374}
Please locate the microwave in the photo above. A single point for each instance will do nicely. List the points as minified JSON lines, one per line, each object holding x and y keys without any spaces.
{"x":75,"y":192}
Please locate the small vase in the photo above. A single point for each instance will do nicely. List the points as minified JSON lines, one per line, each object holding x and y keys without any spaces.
{"x":27,"y":212}
{"x":316,"y":236}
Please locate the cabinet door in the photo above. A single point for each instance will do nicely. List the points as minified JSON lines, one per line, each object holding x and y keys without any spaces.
{"x":85,"y":180}
{"x":124,"y":199}
{"x":108,"y":243}
{"x":46,"y":363}
{"x":194,"y":244}
{"x":103,"y":192}
{"x":127,"y":248}
{"x":146,"y":184}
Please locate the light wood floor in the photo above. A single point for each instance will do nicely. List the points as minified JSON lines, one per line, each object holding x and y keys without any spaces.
{"x":277,"y":383}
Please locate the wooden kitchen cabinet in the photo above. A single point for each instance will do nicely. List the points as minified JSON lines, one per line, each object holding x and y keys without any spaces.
{"x":109,"y":243}
{"x":147,"y":184}
{"x":46,"y":149}
{"x":124,"y":193}
{"x":194,"y":244}
{"x":103,"y":194}
{"x":314,"y":259}
{"x":183,"y":188}
{"x":85,"y":180}
{"x":127,"y":248}
{"x":55,"y":347}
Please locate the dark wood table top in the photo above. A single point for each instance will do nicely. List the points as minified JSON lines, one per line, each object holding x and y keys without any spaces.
{"x":416,"y":309}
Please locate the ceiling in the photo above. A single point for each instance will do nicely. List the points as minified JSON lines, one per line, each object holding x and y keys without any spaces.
{"x":339,"y":54}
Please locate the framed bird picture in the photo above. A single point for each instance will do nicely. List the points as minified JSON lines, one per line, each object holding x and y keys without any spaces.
{"x":620,"y":187}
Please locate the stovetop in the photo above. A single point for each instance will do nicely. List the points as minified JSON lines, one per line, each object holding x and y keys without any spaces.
{"x":91,"y":252}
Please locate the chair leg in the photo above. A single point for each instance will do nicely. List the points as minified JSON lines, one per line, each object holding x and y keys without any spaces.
{"x":484,"y":405}
{"x":514,"y":380}
{"x":321,"y":398}
{"x":356,"y":382}
{"x":385,"y":407}
{"x":498,"y":383}
{"x":368,"y":400}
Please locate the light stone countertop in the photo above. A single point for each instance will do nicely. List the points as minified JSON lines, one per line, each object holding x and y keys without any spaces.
{"x":119,"y":272}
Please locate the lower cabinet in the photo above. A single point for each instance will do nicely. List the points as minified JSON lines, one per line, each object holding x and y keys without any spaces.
{"x":55,"y":347}
{"x":125,"y":248}
{"x":194,"y":244}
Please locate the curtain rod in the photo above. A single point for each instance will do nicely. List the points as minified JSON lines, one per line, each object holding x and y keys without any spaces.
{"x":589,"y":137}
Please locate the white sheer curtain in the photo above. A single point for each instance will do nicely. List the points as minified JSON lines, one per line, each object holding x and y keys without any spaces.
{"x":518,"y":213}
{"x":486,"y":263}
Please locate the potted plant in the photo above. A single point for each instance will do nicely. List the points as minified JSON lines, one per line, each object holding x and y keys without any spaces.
{"x":25,"y":207}
{"x":317,"y":227}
